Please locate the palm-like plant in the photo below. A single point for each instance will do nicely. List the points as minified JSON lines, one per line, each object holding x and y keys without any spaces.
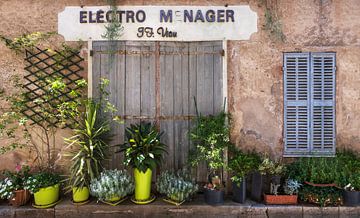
{"x":142,"y":148}
{"x":89,"y":144}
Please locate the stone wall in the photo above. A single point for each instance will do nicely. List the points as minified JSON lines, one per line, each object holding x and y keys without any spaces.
{"x":254,"y":66}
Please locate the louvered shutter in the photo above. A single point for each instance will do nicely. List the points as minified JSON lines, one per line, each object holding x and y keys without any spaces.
{"x":323,"y":103}
{"x":296,"y":103}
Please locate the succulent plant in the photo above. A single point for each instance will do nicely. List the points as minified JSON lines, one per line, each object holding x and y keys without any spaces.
{"x":292,"y":187}
{"x":176,"y":186}
{"x":112,"y":184}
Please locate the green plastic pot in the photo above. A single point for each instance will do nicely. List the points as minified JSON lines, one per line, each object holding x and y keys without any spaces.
{"x":80,"y":194}
{"x":142,"y":184}
{"x":47,"y":195}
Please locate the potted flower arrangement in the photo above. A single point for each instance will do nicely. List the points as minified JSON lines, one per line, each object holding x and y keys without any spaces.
{"x":210,"y":137}
{"x":143,"y":152}
{"x":46,"y":188}
{"x":241,"y":164}
{"x":112,"y":186}
{"x":290,"y":190}
{"x":12,"y":187}
{"x":177,"y":187}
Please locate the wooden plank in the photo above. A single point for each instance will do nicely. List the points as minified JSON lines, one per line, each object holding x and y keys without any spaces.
{"x":96,"y":69}
{"x":147,"y":67}
{"x":218,"y":101}
{"x":166,"y":101}
{"x":117,"y":90}
{"x":132,"y":81}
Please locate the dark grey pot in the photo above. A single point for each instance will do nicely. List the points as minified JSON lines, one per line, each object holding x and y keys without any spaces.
{"x":276,"y":180}
{"x":214,"y":197}
{"x":257,"y":187}
{"x":239,"y":192}
{"x":351,"y":198}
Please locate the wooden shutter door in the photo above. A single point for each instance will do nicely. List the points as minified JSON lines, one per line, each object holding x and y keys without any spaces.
{"x":187,"y":70}
{"x":323,"y":103}
{"x":296,"y":103}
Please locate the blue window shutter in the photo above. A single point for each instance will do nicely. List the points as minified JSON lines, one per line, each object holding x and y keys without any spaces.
{"x":296,"y":104}
{"x":323,"y":86}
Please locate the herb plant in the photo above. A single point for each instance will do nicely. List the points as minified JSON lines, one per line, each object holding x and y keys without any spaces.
{"x":142,"y":147}
{"x":176,"y":186}
{"x":241,"y":164}
{"x":112,"y":183}
{"x":269,"y":167}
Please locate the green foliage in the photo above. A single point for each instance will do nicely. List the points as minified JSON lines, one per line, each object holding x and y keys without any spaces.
{"x":13,"y":181}
{"x":323,"y":170}
{"x":269,"y":167}
{"x":112,"y":183}
{"x":241,"y":164}
{"x":210,"y":137}
{"x":176,"y":186}
{"x":90,"y":144}
{"x":41,"y":180}
{"x":114,"y":28}
{"x":25,"y":41}
{"x":142,"y":147}
{"x":323,"y":196}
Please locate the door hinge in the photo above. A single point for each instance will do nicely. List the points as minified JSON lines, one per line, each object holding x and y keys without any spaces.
{"x":222,"y":52}
{"x":91,"y":53}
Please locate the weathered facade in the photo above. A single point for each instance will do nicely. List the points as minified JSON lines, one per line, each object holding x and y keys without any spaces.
{"x":254,"y":67}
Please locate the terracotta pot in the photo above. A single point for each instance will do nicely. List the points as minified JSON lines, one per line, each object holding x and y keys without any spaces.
{"x":280,"y":199}
{"x":21,"y":197}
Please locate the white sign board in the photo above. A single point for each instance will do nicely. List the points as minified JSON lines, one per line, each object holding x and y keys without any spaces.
{"x":160,"y":23}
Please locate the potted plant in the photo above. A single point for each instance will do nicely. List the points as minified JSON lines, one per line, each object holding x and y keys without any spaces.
{"x":210,"y":138}
{"x":12,"y":187}
{"x":177,"y":187}
{"x":46,"y":188}
{"x":241,"y":164}
{"x":268,"y":169}
{"x":351,"y":192}
{"x":89,"y":146}
{"x":290,"y":189}
{"x":143,"y":152}
{"x":112,"y":186}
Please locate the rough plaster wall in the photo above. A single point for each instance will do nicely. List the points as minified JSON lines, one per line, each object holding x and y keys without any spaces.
{"x":254,"y":66}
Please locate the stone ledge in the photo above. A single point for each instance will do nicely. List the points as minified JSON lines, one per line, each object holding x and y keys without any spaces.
{"x":196,"y":208}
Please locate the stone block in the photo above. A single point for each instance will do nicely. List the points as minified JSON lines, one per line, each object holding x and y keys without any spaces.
{"x":285,"y":211}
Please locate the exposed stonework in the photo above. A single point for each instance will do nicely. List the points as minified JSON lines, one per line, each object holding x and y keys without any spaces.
{"x":254,"y":67}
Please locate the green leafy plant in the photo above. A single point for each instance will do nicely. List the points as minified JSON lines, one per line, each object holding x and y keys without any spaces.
{"x":14,"y":181}
{"x":241,"y":164}
{"x":210,"y":138}
{"x":112,"y":183}
{"x":90,"y":144}
{"x":41,"y":180}
{"x":176,"y":186}
{"x":142,"y":147}
{"x":269,"y":167}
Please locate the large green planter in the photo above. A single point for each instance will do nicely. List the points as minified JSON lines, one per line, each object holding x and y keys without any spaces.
{"x":142,"y":184}
{"x":80,"y":194}
{"x":47,"y":195}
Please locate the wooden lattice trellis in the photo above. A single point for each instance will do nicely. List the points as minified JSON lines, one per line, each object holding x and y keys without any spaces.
{"x":43,"y":66}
